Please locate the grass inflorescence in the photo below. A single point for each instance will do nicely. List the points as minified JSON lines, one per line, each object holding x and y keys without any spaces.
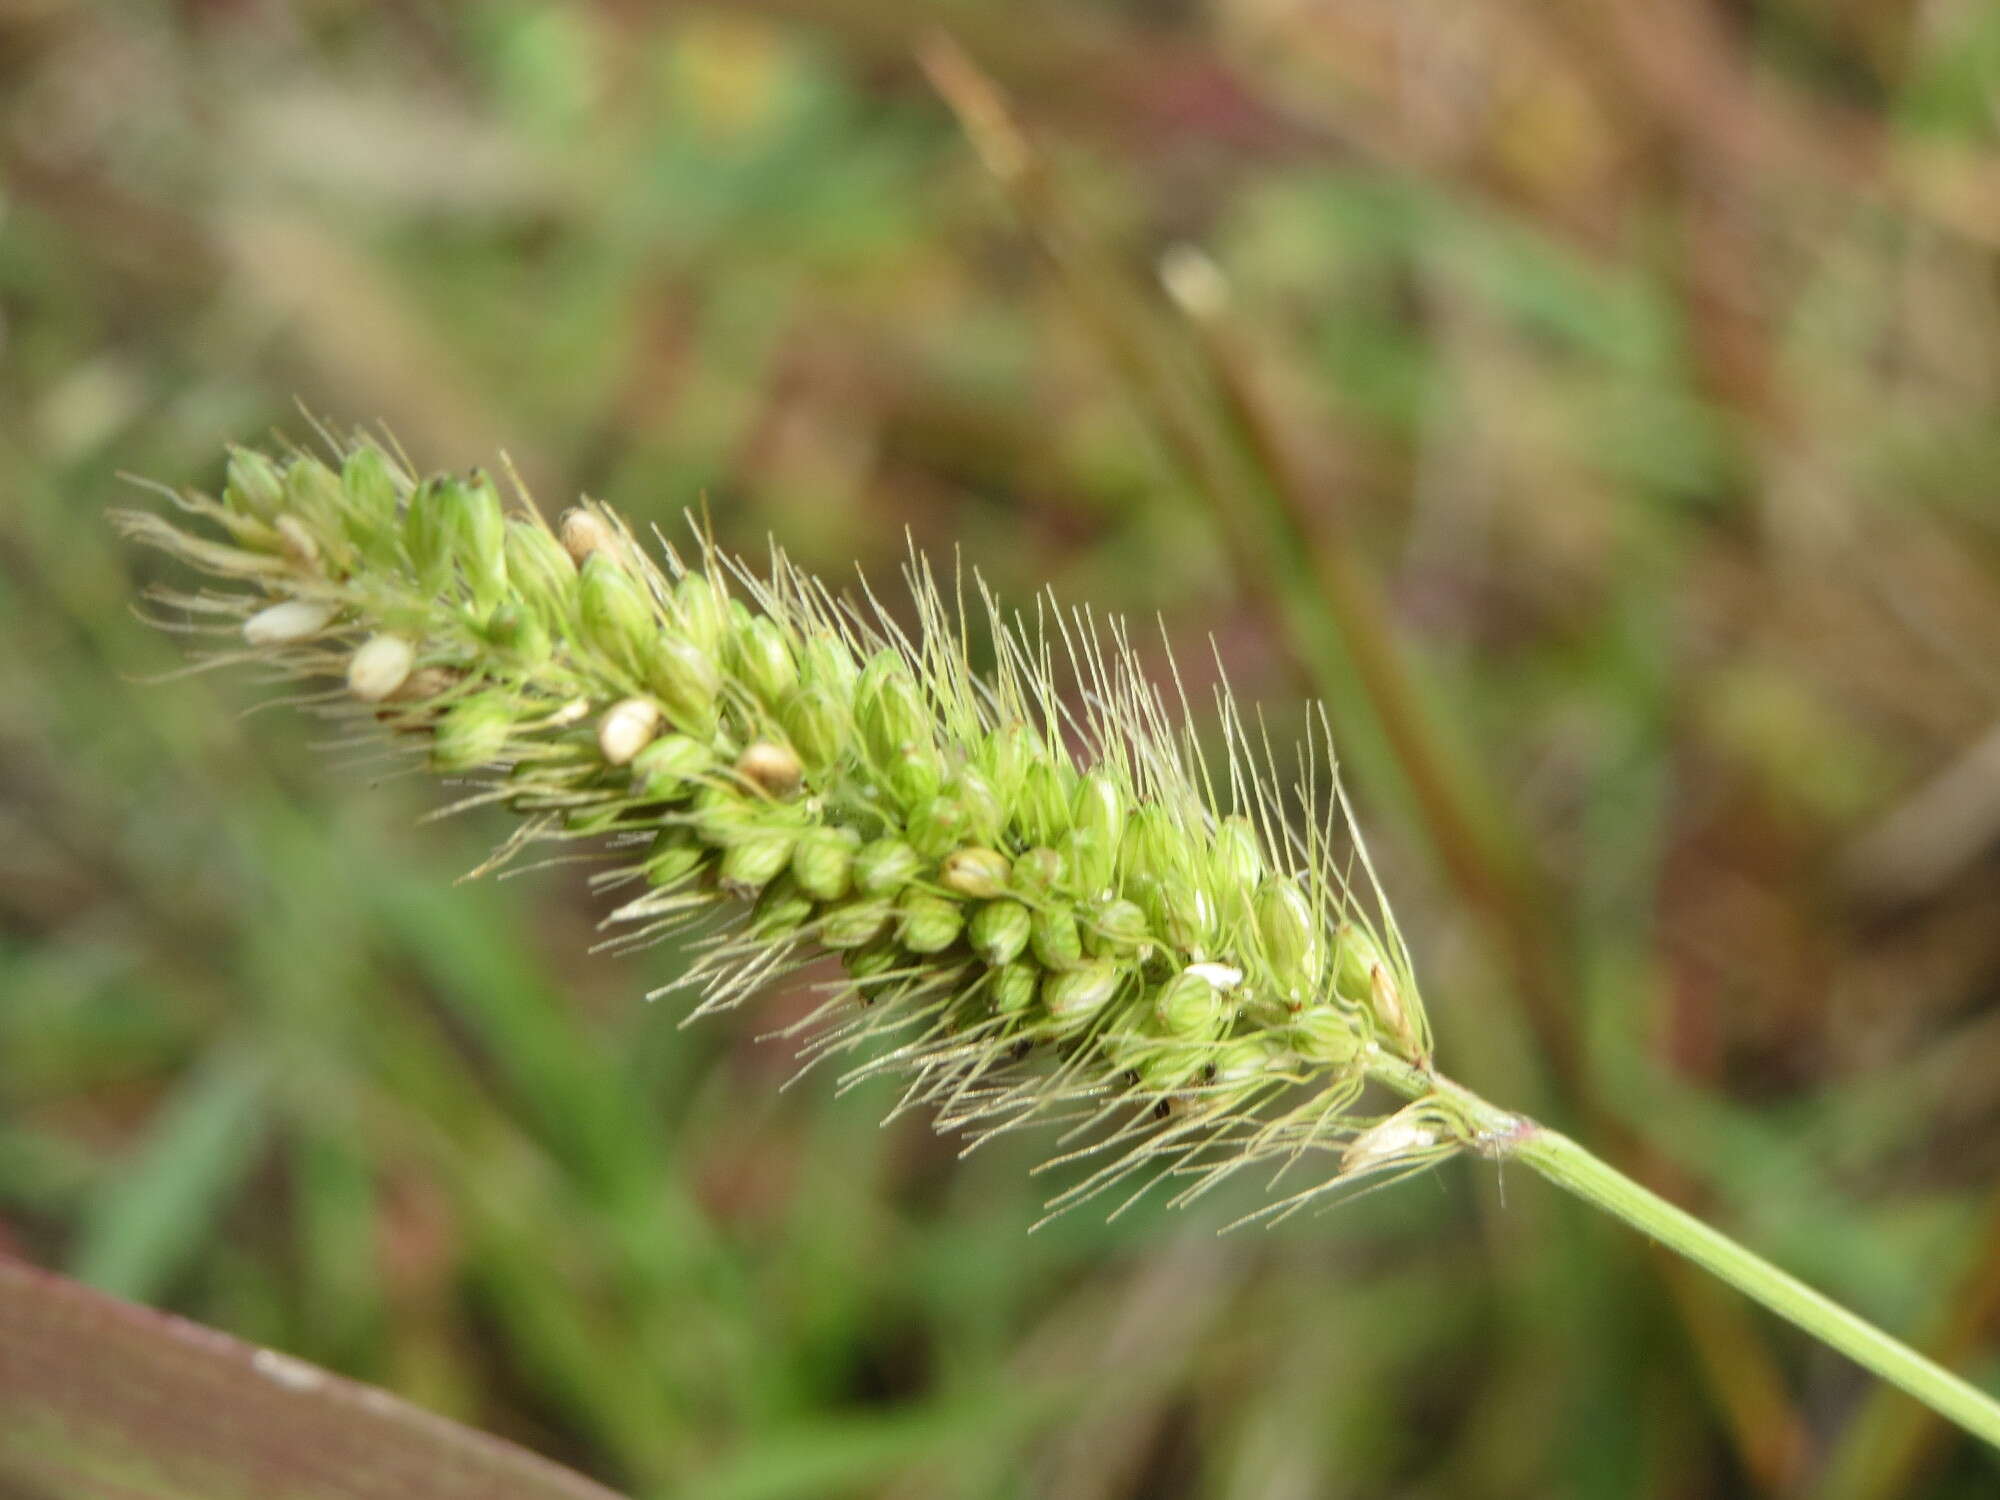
{"x":1045,"y":901}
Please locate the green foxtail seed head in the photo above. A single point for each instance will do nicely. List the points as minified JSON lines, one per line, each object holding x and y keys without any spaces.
{"x":1039,"y":905}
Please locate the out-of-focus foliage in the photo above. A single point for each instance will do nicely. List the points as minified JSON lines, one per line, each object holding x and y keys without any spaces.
{"x":1645,"y":355}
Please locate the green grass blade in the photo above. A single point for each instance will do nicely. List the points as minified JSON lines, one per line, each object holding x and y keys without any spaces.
{"x":150,"y":1216}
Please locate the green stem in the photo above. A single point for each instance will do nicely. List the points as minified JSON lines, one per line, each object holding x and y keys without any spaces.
{"x":1509,"y":1137}
{"x":1568,"y":1165}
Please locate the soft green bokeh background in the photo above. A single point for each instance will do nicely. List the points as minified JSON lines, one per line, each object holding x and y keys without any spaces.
{"x":1648,"y":359}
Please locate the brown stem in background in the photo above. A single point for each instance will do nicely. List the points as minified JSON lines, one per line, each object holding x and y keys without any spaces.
{"x":1486,"y":860}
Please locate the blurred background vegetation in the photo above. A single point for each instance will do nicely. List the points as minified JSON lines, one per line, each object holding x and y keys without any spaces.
{"x":1595,"y":400}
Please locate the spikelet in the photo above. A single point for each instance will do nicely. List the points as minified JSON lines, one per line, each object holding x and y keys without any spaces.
{"x":1046,"y":903}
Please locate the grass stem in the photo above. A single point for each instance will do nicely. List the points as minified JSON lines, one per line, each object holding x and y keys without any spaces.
{"x":1601,"y":1185}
